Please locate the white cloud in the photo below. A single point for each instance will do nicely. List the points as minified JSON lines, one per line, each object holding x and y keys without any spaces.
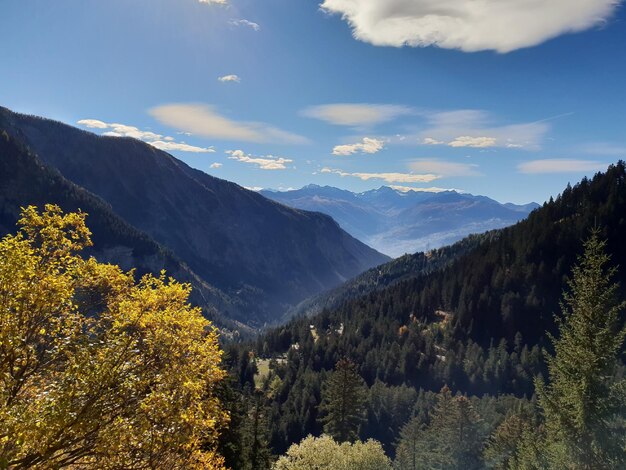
{"x":244,"y":22}
{"x":433,"y":189}
{"x":203,"y":120}
{"x":387,"y":177}
{"x":431,"y":141}
{"x":180,"y":146}
{"x":560,"y":165}
{"x":256,"y":189}
{"x":216,"y":2}
{"x":156,"y":140}
{"x":267,"y":162}
{"x":93,"y":124}
{"x":356,"y":114}
{"x":476,"y":142}
{"x":500,"y":25}
{"x":215,"y":165}
{"x":443,"y":168}
{"x":367,"y":145}
{"x":479,"y":129}
{"x":229,"y":79}
{"x":123,"y":130}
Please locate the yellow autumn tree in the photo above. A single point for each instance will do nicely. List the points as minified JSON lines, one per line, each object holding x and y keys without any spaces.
{"x":98,"y":370}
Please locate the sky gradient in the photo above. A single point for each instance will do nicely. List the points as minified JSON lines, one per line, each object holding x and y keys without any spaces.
{"x":509,"y":99}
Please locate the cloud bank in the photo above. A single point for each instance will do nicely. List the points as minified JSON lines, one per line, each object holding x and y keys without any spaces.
{"x":156,"y":140}
{"x":203,"y":120}
{"x":499,"y":25}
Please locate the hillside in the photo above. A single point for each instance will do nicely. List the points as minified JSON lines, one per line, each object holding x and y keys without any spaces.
{"x":25,"y":180}
{"x":398,"y":222}
{"x":381,"y":277}
{"x":264,"y":254}
{"x":476,"y":323}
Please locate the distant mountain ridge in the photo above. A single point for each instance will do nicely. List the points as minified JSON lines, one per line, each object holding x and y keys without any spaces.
{"x":396,"y":222}
{"x":264,"y":255}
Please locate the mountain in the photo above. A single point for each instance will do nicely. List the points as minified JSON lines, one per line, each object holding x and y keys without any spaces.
{"x":381,"y":277}
{"x":25,"y":180}
{"x":397,"y":222}
{"x":476,"y":320}
{"x":508,"y":280}
{"x":262,"y":254}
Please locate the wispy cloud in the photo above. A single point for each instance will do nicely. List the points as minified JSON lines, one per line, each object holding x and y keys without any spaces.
{"x":367,"y":145}
{"x":229,"y":78}
{"x":215,"y":2}
{"x":560,"y":165}
{"x":266,"y":162}
{"x":445,"y":168}
{"x":169,"y":146}
{"x":204,"y":120}
{"x":387,"y":177}
{"x":476,"y":142}
{"x":604,"y":148}
{"x":156,"y":140}
{"x":497,"y":25}
{"x":356,"y":114}
{"x":215,"y":165}
{"x":479,"y":129}
{"x":244,"y":22}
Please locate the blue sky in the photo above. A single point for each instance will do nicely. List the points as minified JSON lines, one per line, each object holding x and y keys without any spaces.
{"x":507,"y":98}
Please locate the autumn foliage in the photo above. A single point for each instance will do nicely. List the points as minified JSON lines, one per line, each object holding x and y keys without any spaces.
{"x":98,"y":370}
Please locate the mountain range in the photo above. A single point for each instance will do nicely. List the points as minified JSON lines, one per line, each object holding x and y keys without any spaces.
{"x":254,"y":257}
{"x":475,"y":317}
{"x":396,"y":222}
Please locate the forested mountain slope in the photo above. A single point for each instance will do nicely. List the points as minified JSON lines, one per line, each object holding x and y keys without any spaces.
{"x":25,"y":180}
{"x":476,"y":324}
{"x":381,"y":277}
{"x":266,"y":255}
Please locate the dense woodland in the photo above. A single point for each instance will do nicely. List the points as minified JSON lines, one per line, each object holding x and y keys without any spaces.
{"x":477,"y":327}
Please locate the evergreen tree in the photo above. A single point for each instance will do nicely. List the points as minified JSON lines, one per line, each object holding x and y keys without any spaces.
{"x":581,"y":403}
{"x":503,"y":446}
{"x":410,"y":445}
{"x":343,"y":402}
{"x":454,"y":437}
{"x":255,"y":449}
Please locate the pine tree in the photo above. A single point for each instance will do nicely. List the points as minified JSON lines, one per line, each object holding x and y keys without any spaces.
{"x":410,"y":446}
{"x":255,"y":449}
{"x":454,"y":435}
{"x":581,"y":402}
{"x":503,"y":446}
{"x":343,"y":402}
